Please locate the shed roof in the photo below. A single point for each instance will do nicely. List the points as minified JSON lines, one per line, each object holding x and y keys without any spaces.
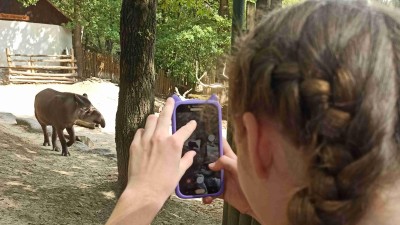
{"x":43,"y":12}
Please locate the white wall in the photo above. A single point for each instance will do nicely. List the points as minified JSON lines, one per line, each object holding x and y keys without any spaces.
{"x":32,"y":38}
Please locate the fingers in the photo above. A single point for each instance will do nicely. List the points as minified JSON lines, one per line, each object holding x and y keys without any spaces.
{"x":150,"y":126}
{"x":228,"y":150}
{"x":164,"y":120}
{"x":208,"y":200}
{"x":137,"y":139}
{"x":225,"y":163}
{"x":186,"y":162}
{"x":184,"y":132}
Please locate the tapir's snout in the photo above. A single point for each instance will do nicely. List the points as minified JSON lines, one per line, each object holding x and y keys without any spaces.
{"x":102,"y":122}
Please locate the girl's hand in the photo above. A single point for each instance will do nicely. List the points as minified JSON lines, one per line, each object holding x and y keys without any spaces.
{"x":233,"y":194}
{"x":156,"y":163}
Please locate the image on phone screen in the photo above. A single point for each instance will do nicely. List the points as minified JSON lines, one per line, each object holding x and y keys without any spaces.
{"x":199,"y":179}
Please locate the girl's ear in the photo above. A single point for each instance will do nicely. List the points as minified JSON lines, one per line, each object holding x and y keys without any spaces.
{"x":258,"y":144}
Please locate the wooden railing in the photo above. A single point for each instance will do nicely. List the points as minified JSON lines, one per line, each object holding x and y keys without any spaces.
{"x":100,"y":65}
{"x":26,"y":68}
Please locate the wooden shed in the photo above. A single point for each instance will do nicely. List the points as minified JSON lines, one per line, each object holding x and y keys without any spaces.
{"x":35,"y":31}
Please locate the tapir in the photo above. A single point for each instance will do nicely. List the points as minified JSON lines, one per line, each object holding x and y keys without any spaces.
{"x":60,"y":110}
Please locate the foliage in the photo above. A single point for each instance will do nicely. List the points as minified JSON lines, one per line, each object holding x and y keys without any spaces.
{"x":187,"y":31}
{"x":27,"y":3}
{"x":190,"y":31}
{"x":290,"y":2}
{"x":393,"y":3}
{"x":99,"y":18}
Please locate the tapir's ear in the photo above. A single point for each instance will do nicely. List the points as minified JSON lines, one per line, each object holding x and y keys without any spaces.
{"x":213,"y":97}
{"x":85,"y":95}
{"x":78,"y":100}
{"x":176,"y":98}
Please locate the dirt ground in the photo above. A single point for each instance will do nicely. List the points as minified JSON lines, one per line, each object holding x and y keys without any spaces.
{"x":39,"y":186}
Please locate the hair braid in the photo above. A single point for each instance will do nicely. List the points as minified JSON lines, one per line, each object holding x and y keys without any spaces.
{"x":328,"y":80}
{"x":342,"y":170}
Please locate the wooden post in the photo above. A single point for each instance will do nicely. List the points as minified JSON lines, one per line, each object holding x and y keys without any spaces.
{"x":73,"y":61}
{"x":10,"y":64}
{"x":250,"y":15}
{"x":30,"y":64}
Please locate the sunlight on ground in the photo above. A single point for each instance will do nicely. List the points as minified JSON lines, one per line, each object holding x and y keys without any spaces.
{"x":29,"y":188}
{"x":64,"y":172}
{"x":14,"y":183}
{"x":18,"y":184}
{"x":76,"y":167}
{"x":30,"y":151}
{"x":84,"y":186}
{"x":92,"y":161}
{"x":23,"y":172}
{"x":22,"y":157}
{"x":108,"y":195}
{"x":3,"y":145}
{"x":7,"y":203}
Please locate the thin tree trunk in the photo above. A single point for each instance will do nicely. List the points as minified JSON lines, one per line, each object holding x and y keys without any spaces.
{"x":109,"y":46}
{"x":77,"y":39}
{"x":136,"y":93}
{"x":223,"y":9}
{"x":265,"y":6}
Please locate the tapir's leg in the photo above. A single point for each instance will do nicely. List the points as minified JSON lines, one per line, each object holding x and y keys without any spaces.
{"x":54,"y":139}
{"x":76,"y":137}
{"x":63,"y":142}
{"x":71,"y":135}
{"x":46,"y":141}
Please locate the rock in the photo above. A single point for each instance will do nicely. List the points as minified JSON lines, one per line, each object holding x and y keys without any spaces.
{"x":104,"y":152}
{"x":80,"y":146}
{"x":7,"y":118}
{"x":33,"y":124}
{"x":85,"y":140}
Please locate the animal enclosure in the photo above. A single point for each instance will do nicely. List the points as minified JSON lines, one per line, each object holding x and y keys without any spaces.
{"x":30,"y":68}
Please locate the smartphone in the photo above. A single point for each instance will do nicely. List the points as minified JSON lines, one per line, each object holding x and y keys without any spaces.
{"x":199,"y":181}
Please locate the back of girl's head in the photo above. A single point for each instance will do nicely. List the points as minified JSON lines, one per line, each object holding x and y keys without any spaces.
{"x":328,"y":71}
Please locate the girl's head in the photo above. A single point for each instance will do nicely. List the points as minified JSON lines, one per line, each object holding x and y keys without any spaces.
{"x":314,"y":96}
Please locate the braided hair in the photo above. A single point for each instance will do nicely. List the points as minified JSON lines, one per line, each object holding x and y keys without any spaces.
{"x":328,"y":70}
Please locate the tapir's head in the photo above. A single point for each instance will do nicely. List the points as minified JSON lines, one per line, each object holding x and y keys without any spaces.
{"x":87,"y":112}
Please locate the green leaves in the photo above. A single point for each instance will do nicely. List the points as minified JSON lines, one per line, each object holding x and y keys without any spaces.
{"x":100,"y":19}
{"x":190,"y":31}
{"x":290,"y":2}
{"x":187,"y":31}
{"x":27,"y":3}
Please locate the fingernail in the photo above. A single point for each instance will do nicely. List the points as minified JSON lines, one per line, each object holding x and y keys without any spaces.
{"x":211,"y":164}
{"x":169,"y":99}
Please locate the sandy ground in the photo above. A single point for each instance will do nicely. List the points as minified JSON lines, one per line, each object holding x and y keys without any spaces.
{"x":38,"y":186}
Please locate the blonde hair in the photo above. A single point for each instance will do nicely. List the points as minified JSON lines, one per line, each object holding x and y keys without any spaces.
{"x":329,"y":72}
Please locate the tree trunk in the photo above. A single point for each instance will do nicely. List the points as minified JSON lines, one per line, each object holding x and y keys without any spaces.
{"x":136,"y":88}
{"x":109,"y":46}
{"x":77,"y":38}
{"x":265,"y":6}
{"x":223,"y":9}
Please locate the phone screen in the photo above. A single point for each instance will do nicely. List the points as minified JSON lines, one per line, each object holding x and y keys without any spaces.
{"x":199,"y":179}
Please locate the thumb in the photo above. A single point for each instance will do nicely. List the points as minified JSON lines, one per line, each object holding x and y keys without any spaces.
{"x":186,"y":162}
{"x":224,"y":163}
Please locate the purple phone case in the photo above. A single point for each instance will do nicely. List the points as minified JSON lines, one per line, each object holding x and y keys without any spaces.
{"x":212,"y":100}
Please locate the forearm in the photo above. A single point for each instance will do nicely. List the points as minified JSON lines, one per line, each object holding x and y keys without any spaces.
{"x":135,"y":206}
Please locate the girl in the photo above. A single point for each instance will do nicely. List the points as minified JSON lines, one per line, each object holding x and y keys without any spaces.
{"x":314,"y":91}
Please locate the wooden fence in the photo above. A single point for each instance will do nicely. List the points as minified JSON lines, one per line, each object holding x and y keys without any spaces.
{"x":101,"y":66}
{"x":107,"y":67}
{"x":29,"y":68}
